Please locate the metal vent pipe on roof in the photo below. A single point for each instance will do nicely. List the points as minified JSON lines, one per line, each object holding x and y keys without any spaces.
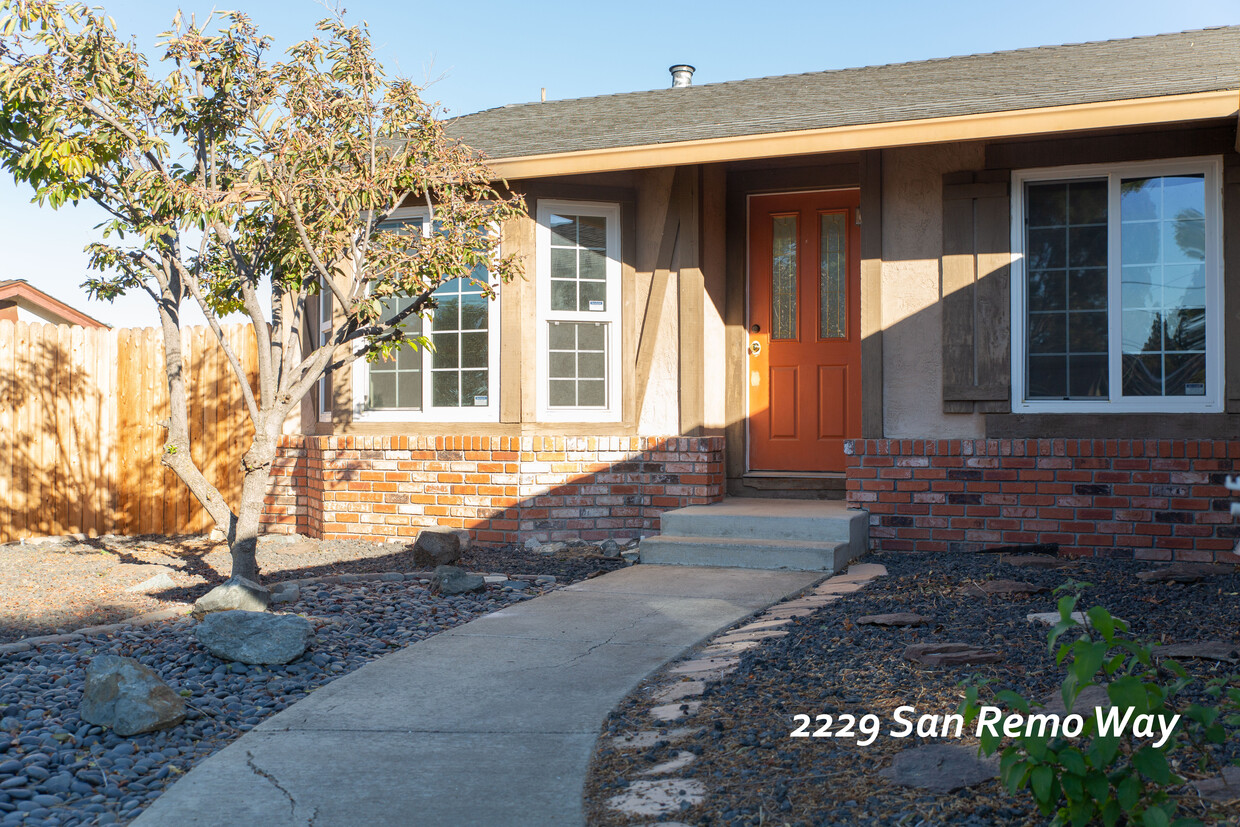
{"x":682,"y":75}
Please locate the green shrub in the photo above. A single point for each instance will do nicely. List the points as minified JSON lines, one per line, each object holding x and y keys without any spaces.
{"x":1100,"y":777}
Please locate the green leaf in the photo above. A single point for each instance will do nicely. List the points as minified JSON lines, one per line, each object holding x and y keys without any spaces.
{"x":1073,"y":761}
{"x":1103,"y":750}
{"x":1111,"y":812}
{"x":1041,"y":780}
{"x":1012,"y":699}
{"x":1154,"y":817}
{"x":1101,"y":620}
{"x":1128,"y":792}
{"x":1152,"y":763}
{"x":1098,"y":786}
{"x":1128,"y":692}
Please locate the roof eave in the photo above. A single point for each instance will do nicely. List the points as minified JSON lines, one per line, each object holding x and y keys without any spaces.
{"x":1015,"y":123}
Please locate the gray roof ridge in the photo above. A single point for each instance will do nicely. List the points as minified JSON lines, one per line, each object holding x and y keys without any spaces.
{"x":844,"y":70}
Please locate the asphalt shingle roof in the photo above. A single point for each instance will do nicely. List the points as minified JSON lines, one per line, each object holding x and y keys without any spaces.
{"x":1207,"y":60}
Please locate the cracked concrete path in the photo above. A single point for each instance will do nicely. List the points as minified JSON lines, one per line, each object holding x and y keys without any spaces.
{"x":491,"y":723}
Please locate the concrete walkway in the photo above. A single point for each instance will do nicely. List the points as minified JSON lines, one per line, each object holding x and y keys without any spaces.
{"x":492,"y":723}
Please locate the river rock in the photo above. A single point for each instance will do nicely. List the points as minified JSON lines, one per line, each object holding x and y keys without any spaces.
{"x":941,"y":768}
{"x":610,"y":549}
{"x":128,"y":697}
{"x":1221,"y":788}
{"x":1220,"y":650}
{"x":436,"y":547}
{"x":893,"y":619}
{"x":233,"y":593}
{"x":950,"y":654}
{"x":453,"y":580}
{"x":1035,"y":561}
{"x":254,"y":637}
{"x":160,"y":582}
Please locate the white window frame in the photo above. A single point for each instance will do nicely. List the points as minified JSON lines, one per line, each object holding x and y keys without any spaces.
{"x":1212,"y":401}
{"x":612,"y":317}
{"x":430,"y":413}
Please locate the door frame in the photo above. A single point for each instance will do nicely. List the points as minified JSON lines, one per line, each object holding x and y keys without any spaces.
{"x":749,"y":196}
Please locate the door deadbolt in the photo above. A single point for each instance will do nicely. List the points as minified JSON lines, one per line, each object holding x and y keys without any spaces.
{"x":755,"y":347}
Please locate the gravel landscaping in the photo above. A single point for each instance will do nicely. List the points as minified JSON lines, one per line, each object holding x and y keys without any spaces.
{"x":712,"y":746}
{"x":56,"y":768}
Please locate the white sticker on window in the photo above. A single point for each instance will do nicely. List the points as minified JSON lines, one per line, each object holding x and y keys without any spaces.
{"x":1195,"y":389}
{"x":480,"y":401}
{"x":596,"y":305}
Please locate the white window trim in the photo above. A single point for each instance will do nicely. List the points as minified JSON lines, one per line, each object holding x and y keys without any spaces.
{"x":429,"y":413}
{"x":612,"y":317}
{"x":1212,"y":402}
{"x":325,"y":328}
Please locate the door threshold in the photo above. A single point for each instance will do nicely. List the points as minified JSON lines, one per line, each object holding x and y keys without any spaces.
{"x":795,"y":475}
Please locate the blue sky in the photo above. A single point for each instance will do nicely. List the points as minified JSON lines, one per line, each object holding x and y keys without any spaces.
{"x":477,"y":55}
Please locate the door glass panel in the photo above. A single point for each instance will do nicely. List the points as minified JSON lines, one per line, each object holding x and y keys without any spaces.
{"x":1162,"y":245}
{"x":784,"y":277}
{"x":832,"y":281}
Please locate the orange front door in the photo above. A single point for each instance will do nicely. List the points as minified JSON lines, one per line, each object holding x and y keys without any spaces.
{"x":804,"y":342}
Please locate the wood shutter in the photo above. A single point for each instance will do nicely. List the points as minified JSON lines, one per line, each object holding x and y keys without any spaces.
{"x":975,"y":292}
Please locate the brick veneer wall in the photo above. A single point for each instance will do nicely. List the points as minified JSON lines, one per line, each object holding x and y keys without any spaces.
{"x":1152,"y":499}
{"x":503,"y":489}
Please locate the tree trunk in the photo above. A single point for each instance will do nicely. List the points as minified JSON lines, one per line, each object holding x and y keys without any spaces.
{"x":244,"y":541}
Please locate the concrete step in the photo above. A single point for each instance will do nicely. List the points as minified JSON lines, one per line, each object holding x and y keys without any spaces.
{"x":747,"y":553}
{"x":813,"y":521}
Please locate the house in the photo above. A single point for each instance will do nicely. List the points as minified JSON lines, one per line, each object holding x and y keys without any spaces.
{"x":22,"y":302}
{"x":984,"y":298}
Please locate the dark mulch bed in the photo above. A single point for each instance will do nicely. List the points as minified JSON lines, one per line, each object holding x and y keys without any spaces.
{"x":58,"y":586}
{"x":756,"y":774}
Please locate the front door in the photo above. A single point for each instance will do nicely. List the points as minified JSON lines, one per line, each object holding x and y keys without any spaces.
{"x":804,"y":338}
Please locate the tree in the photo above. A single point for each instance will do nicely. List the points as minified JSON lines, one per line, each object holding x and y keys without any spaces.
{"x":236,"y":174}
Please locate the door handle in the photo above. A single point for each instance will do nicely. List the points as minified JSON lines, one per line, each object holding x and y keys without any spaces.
{"x":755,"y":347}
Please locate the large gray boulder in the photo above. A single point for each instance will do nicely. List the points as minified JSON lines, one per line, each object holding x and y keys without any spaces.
{"x":234,"y":593}
{"x":452,"y":580}
{"x":128,"y":697}
{"x":254,"y":637}
{"x":436,"y":547}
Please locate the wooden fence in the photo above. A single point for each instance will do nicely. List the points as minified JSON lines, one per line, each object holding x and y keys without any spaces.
{"x":80,"y":439}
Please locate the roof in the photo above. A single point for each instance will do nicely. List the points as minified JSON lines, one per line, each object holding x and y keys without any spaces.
{"x":1206,"y":60}
{"x":22,"y":293}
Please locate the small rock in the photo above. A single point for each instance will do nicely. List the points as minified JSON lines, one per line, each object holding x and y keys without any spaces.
{"x":988,"y":588}
{"x":436,"y":547}
{"x":286,"y":593}
{"x":158,"y":583}
{"x":631,"y":556}
{"x":128,"y":697}
{"x":1034,"y":561}
{"x":551,"y":548}
{"x":649,"y":737}
{"x":611,"y":549}
{"x":453,"y":580}
{"x":532,"y":544}
{"x":950,"y":654}
{"x":254,"y":637}
{"x":1219,"y":650}
{"x":1222,"y":788}
{"x":893,"y":619}
{"x":1051,"y":618}
{"x":233,"y":593}
{"x":1183,"y":573}
{"x":941,"y":768}
{"x":1087,"y":700}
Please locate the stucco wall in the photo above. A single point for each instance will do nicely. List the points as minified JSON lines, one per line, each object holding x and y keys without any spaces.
{"x":911,"y":318}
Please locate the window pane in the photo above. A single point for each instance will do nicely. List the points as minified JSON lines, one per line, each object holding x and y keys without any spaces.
{"x":447,"y":350}
{"x":564,"y":231}
{"x":409,"y":389}
{"x":1048,"y":377}
{"x":475,"y":311}
{"x":593,"y":264}
{"x":445,"y":388}
{"x":593,"y":231}
{"x":1066,"y":286}
{"x":593,"y":291}
{"x":577,"y":365}
{"x":563,"y":295}
{"x":474,"y":350}
{"x":382,"y":390}
{"x":784,"y":277}
{"x":447,"y":313}
{"x":1162,"y":239}
{"x":474,"y":389}
{"x":832,"y":277}
{"x":563,"y":263}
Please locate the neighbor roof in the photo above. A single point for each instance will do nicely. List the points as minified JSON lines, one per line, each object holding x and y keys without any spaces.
{"x":1206,"y":60}
{"x":16,"y":293}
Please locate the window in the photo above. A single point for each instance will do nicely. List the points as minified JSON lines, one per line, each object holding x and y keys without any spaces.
{"x":453,"y":382}
{"x":325,"y":334}
{"x":1117,"y":288}
{"x":578,"y":311}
